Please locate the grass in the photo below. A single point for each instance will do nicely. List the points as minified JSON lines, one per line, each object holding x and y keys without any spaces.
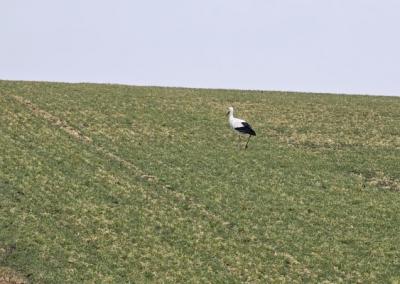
{"x":119,"y":184}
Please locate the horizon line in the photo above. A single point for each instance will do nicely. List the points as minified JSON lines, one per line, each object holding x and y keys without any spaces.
{"x":140,"y":85}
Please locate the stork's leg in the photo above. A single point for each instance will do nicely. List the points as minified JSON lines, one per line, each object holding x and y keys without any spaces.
{"x":247,"y":142}
{"x":239,"y":140}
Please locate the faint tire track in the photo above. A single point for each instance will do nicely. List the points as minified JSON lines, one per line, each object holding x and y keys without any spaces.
{"x":76,"y":134}
{"x":53,"y":120}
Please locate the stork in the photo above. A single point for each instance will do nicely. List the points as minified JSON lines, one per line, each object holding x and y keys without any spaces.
{"x":240,"y":126}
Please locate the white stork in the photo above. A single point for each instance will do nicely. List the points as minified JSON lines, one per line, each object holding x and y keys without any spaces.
{"x":240,"y":126}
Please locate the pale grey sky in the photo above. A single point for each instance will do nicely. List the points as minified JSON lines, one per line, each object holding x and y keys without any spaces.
{"x":341,"y":46}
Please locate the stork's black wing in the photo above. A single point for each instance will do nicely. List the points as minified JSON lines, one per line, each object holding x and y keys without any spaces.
{"x":246,"y":129}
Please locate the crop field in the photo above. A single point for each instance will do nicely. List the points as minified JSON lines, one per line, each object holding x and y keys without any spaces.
{"x":123,"y":184}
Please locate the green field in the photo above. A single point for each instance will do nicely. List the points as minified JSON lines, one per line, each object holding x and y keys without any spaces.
{"x":122,"y":184}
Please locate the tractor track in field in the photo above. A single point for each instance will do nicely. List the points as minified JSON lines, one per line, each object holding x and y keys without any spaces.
{"x":75,"y":133}
{"x":79,"y":136}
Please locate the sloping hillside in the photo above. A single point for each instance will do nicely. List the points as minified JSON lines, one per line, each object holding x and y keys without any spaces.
{"x":111,"y":183}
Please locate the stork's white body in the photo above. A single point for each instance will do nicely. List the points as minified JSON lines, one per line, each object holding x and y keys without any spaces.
{"x":236,"y":123}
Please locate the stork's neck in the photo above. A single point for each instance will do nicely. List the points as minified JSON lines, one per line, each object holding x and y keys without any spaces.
{"x":231,"y":118}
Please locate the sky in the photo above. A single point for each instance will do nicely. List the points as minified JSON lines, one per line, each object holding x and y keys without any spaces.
{"x":335,"y":46}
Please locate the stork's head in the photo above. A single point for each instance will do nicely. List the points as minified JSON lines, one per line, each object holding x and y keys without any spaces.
{"x":230,"y":110}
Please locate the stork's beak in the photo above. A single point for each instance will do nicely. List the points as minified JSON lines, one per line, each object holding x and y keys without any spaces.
{"x":227,"y":112}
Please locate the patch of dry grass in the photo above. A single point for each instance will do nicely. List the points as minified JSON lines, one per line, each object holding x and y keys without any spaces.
{"x":10,"y":276}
